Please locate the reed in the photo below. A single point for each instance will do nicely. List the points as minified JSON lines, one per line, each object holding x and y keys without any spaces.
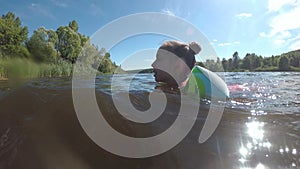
{"x":21,"y":68}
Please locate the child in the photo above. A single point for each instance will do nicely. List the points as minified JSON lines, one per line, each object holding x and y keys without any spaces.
{"x":175,"y":61}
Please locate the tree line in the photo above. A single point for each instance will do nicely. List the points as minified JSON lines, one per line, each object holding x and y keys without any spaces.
{"x":58,"y":48}
{"x":252,"y":62}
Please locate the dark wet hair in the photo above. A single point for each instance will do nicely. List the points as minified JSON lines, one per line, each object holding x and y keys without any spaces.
{"x":186,"y":52}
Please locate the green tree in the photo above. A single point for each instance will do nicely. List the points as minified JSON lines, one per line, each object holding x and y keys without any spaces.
{"x":53,"y":38}
{"x":218,"y":65}
{"x":273,"y":61}
{"x":210,"y":64}
{"x":69,"y":43}
{"x":283,"y":63}
{"x":42,"y":44}
{"x":106,"y":65}
{"x":255,"y":61}
{"x":84,"y":39}
{"x":261,"y":61}
{"x":246,"y":62}
{"x":230,"y":65}
{"x":12,"y":36}
{"x":197,"y":63}
{"x":294,"y":60}
{"x":225,"y":64}
{"x":267,"y":62}
{"x":74,"y":25}
{"x":90,"y":56}
{"x":236,"y":60}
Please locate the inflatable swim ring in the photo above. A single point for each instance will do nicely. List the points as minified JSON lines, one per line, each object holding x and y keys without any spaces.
{"x":207,"y":83}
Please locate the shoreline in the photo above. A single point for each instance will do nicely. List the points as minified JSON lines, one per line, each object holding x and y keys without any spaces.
{"x":3,"y":78}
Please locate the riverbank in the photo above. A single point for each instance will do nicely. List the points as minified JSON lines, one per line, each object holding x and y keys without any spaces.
{"x":3,"y":78}
{"x":24,"y":68}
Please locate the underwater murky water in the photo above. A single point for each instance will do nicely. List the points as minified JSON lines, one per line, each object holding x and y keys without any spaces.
{"x":260,"y":127}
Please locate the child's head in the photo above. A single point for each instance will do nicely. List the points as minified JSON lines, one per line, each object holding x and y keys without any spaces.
{"x":176,"y":58}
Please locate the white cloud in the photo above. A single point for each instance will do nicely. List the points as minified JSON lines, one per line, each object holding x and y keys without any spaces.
{"x":294,"y":42}
{"x":168,"y":12}
{"x":295,"y":45}
{"x":279,"y":42}
{"x":295,"y":38}
{"x":60,"y":3}
{"x":284,"y":22}
{"x":243,"y":15}
{"x":263,"y":34}
{"x":213,"y":41}
{"x":229,"y":43}
{"x":284,"y":35}
{"x":224,"y":44}
{"x":280,"y":39}
{"x":276,"y":5}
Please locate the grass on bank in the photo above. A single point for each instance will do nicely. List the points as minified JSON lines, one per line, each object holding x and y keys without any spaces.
{"x":20,"y":68}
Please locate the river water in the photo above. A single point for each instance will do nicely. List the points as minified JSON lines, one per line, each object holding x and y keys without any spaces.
{"x":260,"y":126}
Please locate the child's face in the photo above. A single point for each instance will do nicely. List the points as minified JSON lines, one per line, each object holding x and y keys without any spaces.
{"x":169,"y":68}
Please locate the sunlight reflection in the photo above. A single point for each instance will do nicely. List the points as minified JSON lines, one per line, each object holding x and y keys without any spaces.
{"x":255,"y":130}
{"x":260,"y":166}
{"x":258,"y":113}
{"x":258,"y":149}
{"x":281,"y":151}
{"x":242,"y":160}
{"x":249,"y":145}
{"x":243,"y":151}
{"x":287,"y":149}
{"x":267,"y":145}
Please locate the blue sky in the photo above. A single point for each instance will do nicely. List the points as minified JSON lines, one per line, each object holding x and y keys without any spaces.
{"x":264,"y":27}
